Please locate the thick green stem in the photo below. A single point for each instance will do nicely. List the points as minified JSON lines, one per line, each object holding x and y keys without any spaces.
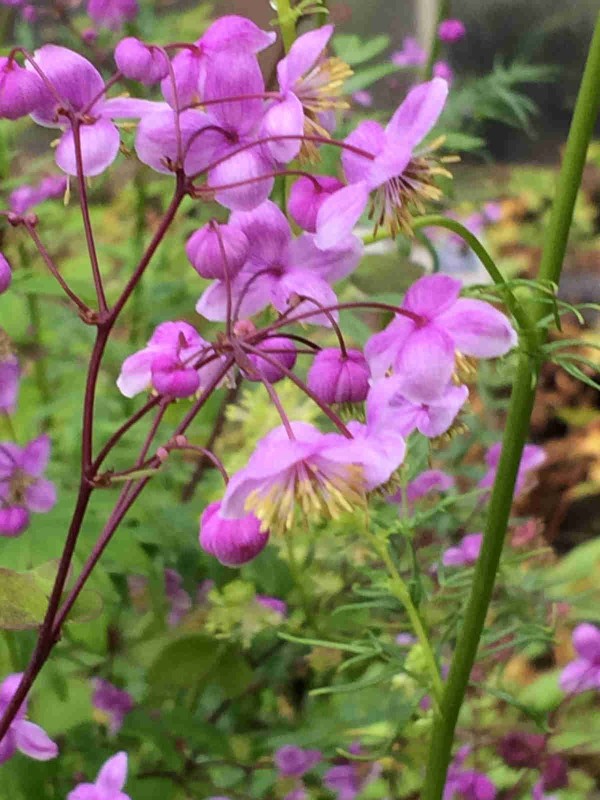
{"x":517,"y":426}
{"x":287,"y":23}
{"x":434,"y":45}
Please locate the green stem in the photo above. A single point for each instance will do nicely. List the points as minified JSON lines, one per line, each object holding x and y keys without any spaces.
{"x":287,"y":23}
{"x":517,"y":426}
{"x":434,"y":46}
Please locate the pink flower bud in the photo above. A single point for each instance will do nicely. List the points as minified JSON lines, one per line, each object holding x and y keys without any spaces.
{"x":519,"y":749}
{"x":451,"y":30}
{"x":335,"y":378}
{"x":29,"y":14}
{"x":232,"y":541}
{"x":20,"y":90}
{"x":141,"y":62}
{"x":170,"y":376}
{"x":181,"y":440}
{"x":205,"y":251}
{"x":162,"y":454}
{"x":13,"y":520}
{"x":441,"y":69}
{"x":5,"y":274}
{"x":89,"y":36}
{"x":307,"y":196}
{"x":279,"y":349}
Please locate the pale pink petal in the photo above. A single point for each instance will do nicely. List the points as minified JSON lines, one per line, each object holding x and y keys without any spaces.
{"x":586,"y":641}
{"x":339,"y":214}
{"x":212,"y":304}
{"x":234,"y":74}
{"x":302,"y":283}
{"x":302,"y":55}
{"x":391,"y":162}
{"x":231,"y":32}
{"x":333,"y":264}
{"x":34,"y":742}
{"x":440,"y":415}
{"x":113,"y":774}
{"x":34,"y":458}
{"x":578,"y":676}
{"x":188,"y":72}
{"x":368,"y":136}
{"x":40,"y":496}
{"x":268,"y":232}
{"x":85,"y":791}
{"x":419,"y":112}
{"x":99,"y":148}
{"x":136,"y":373}
{"x":245,"y":165}
{"x":284,"y":118}
{"x":425,"y":365}
{"x":431,"y":295}
{"x":478,"y":329}
{"x":129,"y":108}
{"x":382,"y":348}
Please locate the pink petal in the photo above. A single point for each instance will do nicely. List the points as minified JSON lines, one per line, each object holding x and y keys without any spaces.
{"x":188,"y":72}
{"x":428,"y":481}
{"x":113,"y":773}
{"x":85,"y":791}
{"x":478,"y":329}
{"x":441,"y":414}
{"x":305,"y":284}
{"x":578,"y":676}
{"x":339,"y":214}
{"x":247,"y":165}
{"x":234,"y":32}
{"x":99,"y":148}
{"x":268,"y":232}
{"x":34,"y":458}
{"x":305,"y":52}
{"x":212,"y":304}
{"x":169,"y":335}
{"x":431,"y":295}
{"x":34,"y":742}
{"x":135,"y":373}
{"x":453,"y":557}
{"x":425,"y":364}
{"x":233,"y":74}
{"x":156,"y":141}
{"x":391,"y":162}
{"x":368,"y":136}
{"x":332,"y":264}
{"x":382,"y":348}
{"x":586,"y":641}
{"x":419,"y":112}
{"x":285,"y":118}
{"x":129,"y":108}
{"x":40,"y":496}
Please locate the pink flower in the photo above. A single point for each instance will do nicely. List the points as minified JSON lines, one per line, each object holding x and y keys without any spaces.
{"x":292,"y":761}
{"x":20,"y":90}
{"x":466,"y":553}
{"x":278,"y":267}
{"x":387,"y":154}
{"x":583,"y":674}
{"x":278,"y":349}
{"x":441,"y":69}
{"x":113,"y":702}
{"x":451,"y":30}
{"x":422,"y":353}
{"x":22,"y":486}
{"x":272,"y":604}
{"x":533,"y":457}
{"x":179,"y":600}
{"x":464,"y":784}
{"x":5,"y":274}
{"x":307,"y":196}
{"x":429,"y":481}
{"x":411,"y":54}
{"x":9,"y":383}
{"x":22,"y":735}
{"x":141,"y":62}
{"x":232,"y":542}
{"x":108,"y":784}
{"x":217,"y":251}
{"x":338,"y":378}
{"x":112,"y":13}
{"x":25,"y":197}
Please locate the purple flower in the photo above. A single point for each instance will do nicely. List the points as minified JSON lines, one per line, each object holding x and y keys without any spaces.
{"x":522,"y":749}
{"x":167,"y":363}
{"x":492,"y":211}
{"x":348,"y":780}
{"x":80,"y":88}
{"x":532,"y":458}
{"x":20,"y":90}
{"x":273,"y":604}
{"x":112,"y":13}
{"x":405,"y":640}
{"x":22,"y":487}
{"x":583,"y":674}
{"x":9,"y":381}
{"x":217,"y":251}
{"x":307,"y":196}
{"x":466,"y":553}
{"x":25,"y":197}
{"x":179,"y":600}
{"x":292,"y":761}
{"x":5,"y":274}
{"x":141,"y":62}
{"x":555,"y":773}
{"x":335,"y":377}
{"x":22,"y":735}
{"x":411,"y":54}
{"x":278,"y":349}
{"x":108,"y":784}
{"x":386,"y":155}
{"x":451,"y":30}
{"x":233,"y":543}
{"x":428,"y":481}
{"x":113,"y":702}
{"x":441,"y":69}
{"x":462,"y":784}
{"x":279,"y":267}
{"x":422,"y":353}
{"x":363,"y":98}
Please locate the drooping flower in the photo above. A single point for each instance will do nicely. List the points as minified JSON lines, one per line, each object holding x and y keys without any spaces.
{"x":22,"y":735}
{"x":279,"y":267}
{"x":307,"y":196}
{"x":466,"y":553}
{"x":387,"y":163}
{"x":467,"y":784}
{"x":21,"y":90}
{"x":422,"y":353}
{"x":178,"y":599}
{"x":5,"y":274}
{"x":108,"y":784}
{"x":292,"y":761}
{"x":232,"y":542}
{"x":335,"y":377}
{"x":519,"y":749}
{"x":533,"y":457}
{"x":113,"y":703}
{"x":428,"y":481}
{"x":141,"y":62}
{"x":112,"y":14}
{"x":277,"y":349}
{"x":583,"y":674}
{"x":451,"y":30}
{"x":22,"y":486}
{"x":167,"y":363}
{"x":411,"y":54}
{"x":25,"y":197}
{"x":217,"y":251}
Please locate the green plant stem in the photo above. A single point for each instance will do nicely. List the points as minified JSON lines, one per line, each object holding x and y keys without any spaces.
{"x":517,"y":426}
{"x":287,"y":23}
{"x":434,"y":45}
{"x":401,"y":592}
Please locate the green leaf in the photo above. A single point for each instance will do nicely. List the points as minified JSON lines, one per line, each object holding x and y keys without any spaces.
{"x":183,"y":663}
{"x":351,"y":49}
{"x":367,"y":77}
{"x":23,"y":600}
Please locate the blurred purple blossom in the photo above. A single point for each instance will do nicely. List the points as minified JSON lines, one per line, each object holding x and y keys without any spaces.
{"x":113,"y":702}
{"x":466,"y":553}
{"x":22,"y":735}
{"x":583,"y":674}
{"x":22,"y":486}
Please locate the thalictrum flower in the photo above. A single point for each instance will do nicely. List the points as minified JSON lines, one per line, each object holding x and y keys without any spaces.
{"x":179,"y":600}
{"x":519,"y":749}
{"x":533,"y":457}
{"x":272,"y":604}
{"x":112,"y":13}
{"x":108,"y":783}
{"x":441,"y":69}
{"x":111,"y":702}
{"x":22,"y":735}
{"x":583,"y":674}
{"x":466,"y":553}
{"x":278,"y":349}
{"x":217,"y":251}
{"x":20,"y":89}
{"x":9,"y":381}
{"x":5,"y":274}
{"x":428,"y":481}
{"x":279,"y":267}
{"x":307,"y":196}
{"x":451,"y":30}
{"x":348,"y":780}
{"x":22,"y":485}
{"x":292,"y":761}
{"x":141,"y":62}
{"x":335,"y":377}
{"x":25,"y":197}
{"x":422,"y":353}
{"x":411,"y":54}
{"x":232,"y":542}
{"x":465,"y":784}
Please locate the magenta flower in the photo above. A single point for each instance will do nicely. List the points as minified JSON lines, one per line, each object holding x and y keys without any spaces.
{"x":25,"y":197}
{"x":20,"y":90}
{"x":112,"y":13}
{"x":292,"y":761}
{"x":387,"y":155}
{"x":108,"y":783}
{"x":233,"y":543}
{"x":22,"y":735}
{"x":428,"y":481}
{"x":22,"y":485}
{"x":411,"y":54}
{"x":272,"y":604}
{"x":337,"y":378}
{"x":278,"y":349}
{"x":463,"y":784}
{"x":307,"y":196}
{"x":112,"y":702}
{"x":583,"y":674}
{"x":141,"y":62}
{"x":180,"y":603}
{"x":278,"y":267}
{"x":80,"y":88}
{"x":451,"y":30}
{"x":348,"y":780}
{"x":5,"y":274}
{"x":9,"y":382}
{"x":533,"y":457}
{"x":466,"y":553}
{"x":217,"y":251}
{"x":520,"y":749}
{"x":443,"y":70}
{"x":422,"y":353}
{"x":167,"y":363}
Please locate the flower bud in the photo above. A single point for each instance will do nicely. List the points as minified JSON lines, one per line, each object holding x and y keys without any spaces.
{"x":441,"y":69}
{"x":13,"y":520}
{"x":307,"y":196}
{"x":522,"y":749}
{"x":141,"y":62}
{"x":335,"y":378}
{"x":5,"y":274}
{"x":451,"y":30}
{"x":21,"y":90}
{"x":279,"y":349}
{"x":170,"y":376}
{"x":555,"y":773}
{"x":205,"y":249}
{"x":232,"y":541}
